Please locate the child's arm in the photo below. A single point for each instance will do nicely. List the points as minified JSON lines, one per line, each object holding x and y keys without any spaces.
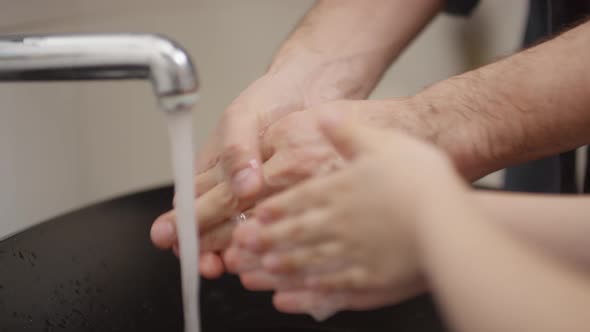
{"x":486,"y":280}
{"x":560,"y":224}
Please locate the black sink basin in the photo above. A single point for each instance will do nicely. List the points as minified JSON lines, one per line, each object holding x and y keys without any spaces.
{"x":96,"y":270}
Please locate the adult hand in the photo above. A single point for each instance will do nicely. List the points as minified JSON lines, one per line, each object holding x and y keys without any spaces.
{"x":293,"y":149}
{"x":234,"y":155}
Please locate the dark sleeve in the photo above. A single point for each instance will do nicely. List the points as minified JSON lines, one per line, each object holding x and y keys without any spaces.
{"x":460,"y":7}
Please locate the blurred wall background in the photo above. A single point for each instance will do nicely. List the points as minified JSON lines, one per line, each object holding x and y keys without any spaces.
{"x":66,"y":145}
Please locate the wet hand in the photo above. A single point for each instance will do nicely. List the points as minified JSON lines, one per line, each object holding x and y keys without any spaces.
{"x":351,"y":231}
{"x":293,"y":149}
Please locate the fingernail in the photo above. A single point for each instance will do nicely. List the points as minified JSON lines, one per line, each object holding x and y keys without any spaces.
{"x":245,"y":182}
{"x":163,"y":232}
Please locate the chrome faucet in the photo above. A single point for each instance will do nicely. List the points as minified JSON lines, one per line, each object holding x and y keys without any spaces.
{"x":101,"y":57}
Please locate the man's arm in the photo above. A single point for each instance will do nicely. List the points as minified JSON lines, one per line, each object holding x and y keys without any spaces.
{"x":342,"y":47}
{"x":524,"y":107}
{"x":339,"y":51}
{"x":558,"y":224}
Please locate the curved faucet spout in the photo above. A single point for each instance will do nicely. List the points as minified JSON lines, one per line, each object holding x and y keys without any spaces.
{"x":99,"y":57}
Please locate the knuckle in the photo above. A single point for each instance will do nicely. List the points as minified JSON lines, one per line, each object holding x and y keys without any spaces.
{"x":226,"y":199}
{"x":231,"y":152}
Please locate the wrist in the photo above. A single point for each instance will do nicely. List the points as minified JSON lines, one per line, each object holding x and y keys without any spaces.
{"x":323,"y":77}
{"x":459,"y":123}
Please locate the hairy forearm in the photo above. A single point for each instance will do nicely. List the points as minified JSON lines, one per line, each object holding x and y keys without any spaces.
{"x":557,"y":224}
{"x":524,"y":107}
{"x":487,"y":280}
{"x":342,"y":47}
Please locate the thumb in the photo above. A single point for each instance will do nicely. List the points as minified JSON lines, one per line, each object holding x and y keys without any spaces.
{"x":349,"y":138}
{"x":240,"y":155}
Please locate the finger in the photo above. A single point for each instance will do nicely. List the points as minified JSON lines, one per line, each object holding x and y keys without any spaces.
{"x":210,"y":265}
{"x":292,"y":202}
{"x":303,"y":260}
{"x":163,"y":231}
{"x":281,"y":171}
{"x":254,"y":237}
{"x":290,"y":233}
{"x":260,"y":280}
{"x":308,"y":301}
{"x":293,"y":302}
{"x":217,"y":238}
{"x":352,"y":279}
{"x":240,"y":156}
{"x":348,"y":137}
{"x":245,"y":234}
{"x":367,"y":300}
{"x":282,"y":235}
{"x":320,"y":305}
{"x":212,"y":208}
{"x":208,"y":180}
{"x":216,"y":206}
{"x":240,"y":260}
{"x":205,"y":181}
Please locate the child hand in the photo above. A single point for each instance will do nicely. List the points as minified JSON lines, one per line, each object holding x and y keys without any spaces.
{"x":353,"y":230}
